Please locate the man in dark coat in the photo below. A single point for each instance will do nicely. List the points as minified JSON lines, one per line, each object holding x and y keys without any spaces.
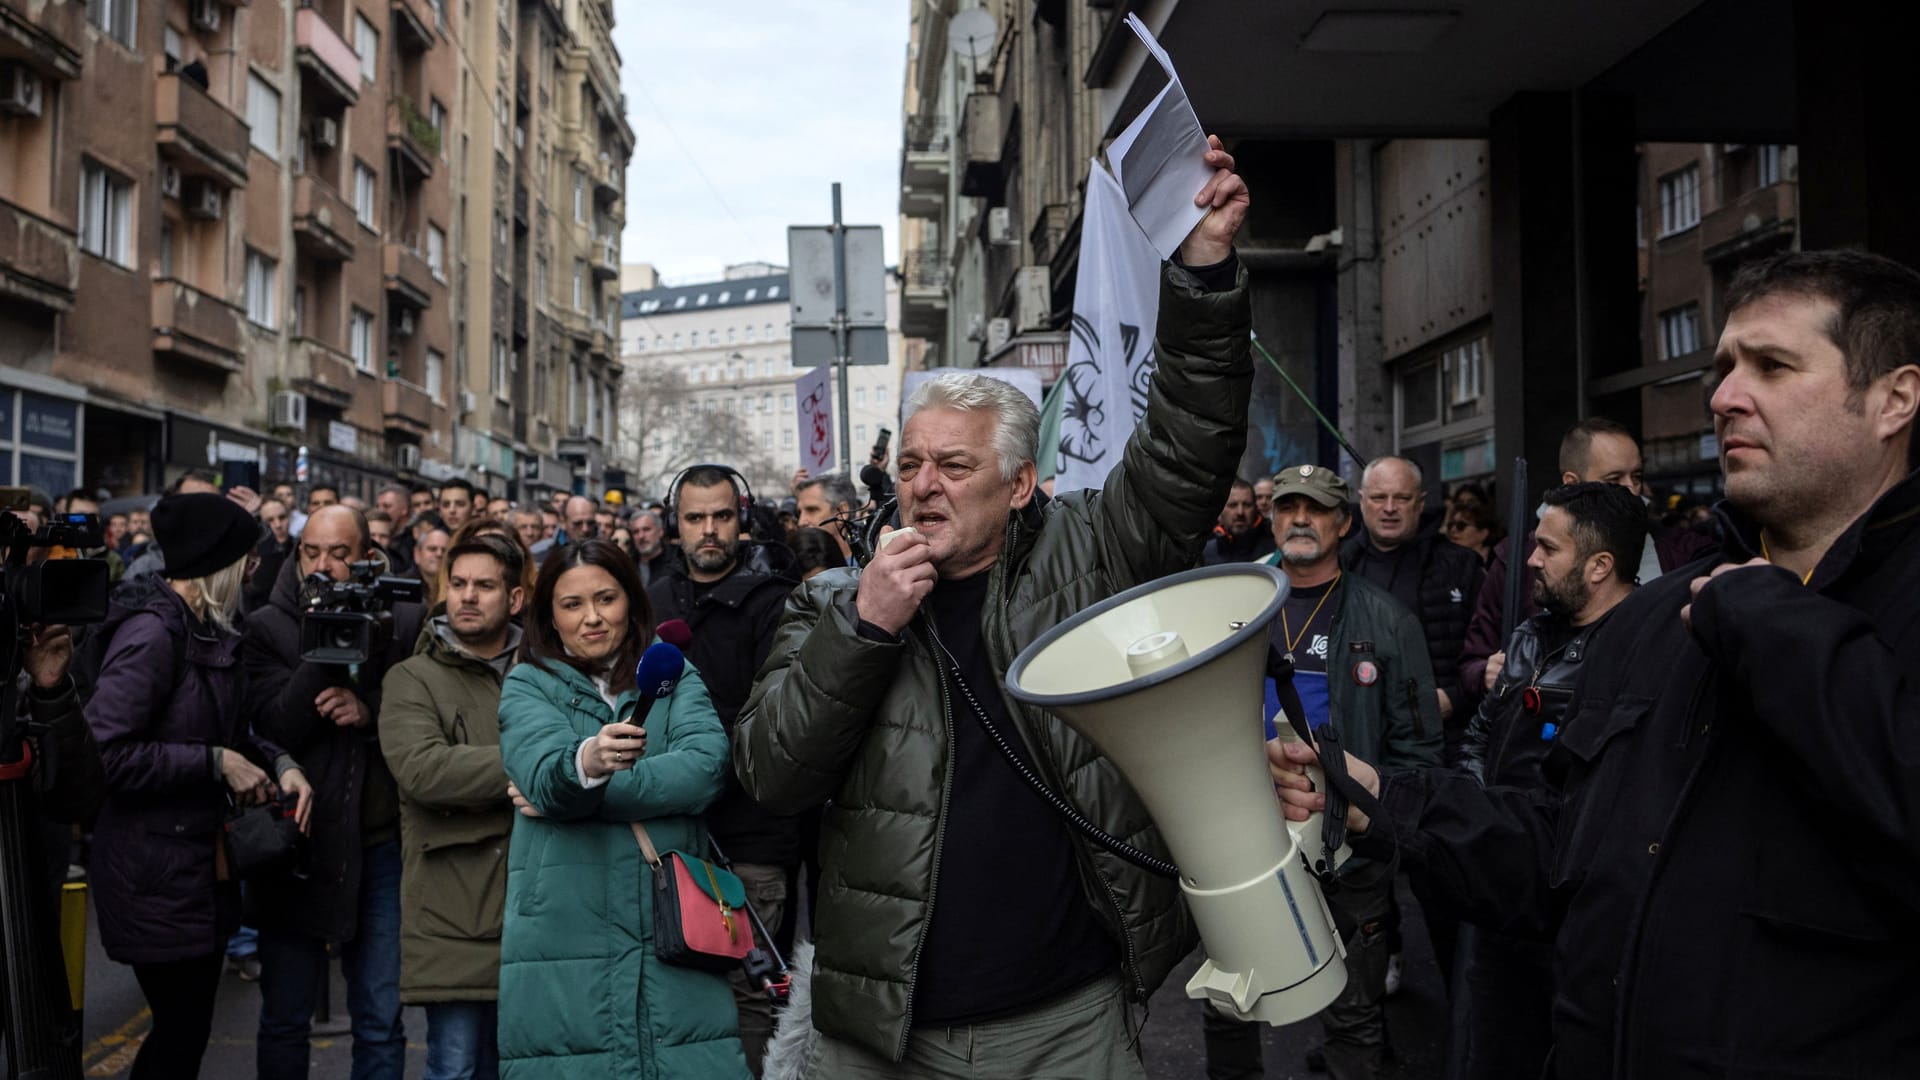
{"x":1242,"y":534}
{"x":325,"y":715}
{"x":1730,"y":867}
{"x":733,"y":606}
{"x":1593,"y":449}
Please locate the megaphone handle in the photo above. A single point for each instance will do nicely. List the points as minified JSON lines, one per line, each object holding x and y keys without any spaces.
{"x":1342,"y":790}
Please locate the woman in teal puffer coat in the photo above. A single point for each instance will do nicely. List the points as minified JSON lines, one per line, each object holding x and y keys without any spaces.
{"x":583,"y":992}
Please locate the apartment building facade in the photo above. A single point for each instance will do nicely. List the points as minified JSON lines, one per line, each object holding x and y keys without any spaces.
{"x":711,"y":379}
{"x":239,"y":233}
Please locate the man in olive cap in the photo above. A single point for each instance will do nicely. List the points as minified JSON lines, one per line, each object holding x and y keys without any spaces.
{"x":1360,"y":664}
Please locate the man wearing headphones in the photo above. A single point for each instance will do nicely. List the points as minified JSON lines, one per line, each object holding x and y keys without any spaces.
{"x":733,"y":607}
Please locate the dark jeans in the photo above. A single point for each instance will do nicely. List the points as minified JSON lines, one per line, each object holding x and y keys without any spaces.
{"x":462,"y":1040}
{"x":292,"y":965}
{"x":180,"y":994}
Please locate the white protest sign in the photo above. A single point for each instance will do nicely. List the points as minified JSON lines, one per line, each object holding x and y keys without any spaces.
{"x":813,"y":392}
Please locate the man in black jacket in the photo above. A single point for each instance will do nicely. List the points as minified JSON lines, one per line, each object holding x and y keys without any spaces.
{"x":1589,"y":543}
{"x":733,"y":607}
{"x":325,"y":715}
{"x":1242,"y":534}
{"x":1436,"y":580}
{"x":1730,"y":868}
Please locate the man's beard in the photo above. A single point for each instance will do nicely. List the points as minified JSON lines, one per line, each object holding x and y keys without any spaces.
{"x":711,"y":560}
{"x":1565,"y":597}
{"x":472,"y":639}
{"x":1293,"y":557}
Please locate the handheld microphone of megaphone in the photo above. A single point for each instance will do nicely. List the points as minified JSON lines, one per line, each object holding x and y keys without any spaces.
{"x":658,"y":673}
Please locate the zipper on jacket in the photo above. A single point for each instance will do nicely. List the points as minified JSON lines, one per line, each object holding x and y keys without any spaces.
{"x":939,"y":842}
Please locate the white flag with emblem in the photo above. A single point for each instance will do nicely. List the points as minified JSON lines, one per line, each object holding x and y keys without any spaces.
{"x":1116,"y":299}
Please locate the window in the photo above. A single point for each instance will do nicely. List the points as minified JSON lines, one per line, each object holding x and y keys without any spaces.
{"x":260,"y":289}
{"x":263,"y":115}
{"x":786,"y":439}
{"x":360,"y":339}
{"x":860,"y":434}
{"x":366,"y":43}
{"x":766,"y":403}
{"x":500,"y":96}
{"x":860,"y":399}
{"x":579,"y":195}
{"x":116,"y":17}
{"x":786,"y":402}
{"x":366,"y":190}
{"x":500,"y":367}
{"x":573,"y":393}
{"x":731,"y":335}
{"x":171,"y":47}
{"x":639,"y":344}
{"x":749,"y":331}
{"x":676,"y":344}
{"x":437,"y":252}
{"x":713,"y":337}
{"x":542,"y":276}
{"x":1679,"y":332}
{"x":579,"y":284}
{"x":1767,"y":165}
{"x":769,"y":325}
{"x":766,"y":366}
{"x":437,"y":116}
{"x":106,"y":213}
{"x":436,"y":372}
{"x":879,"y":396}
{"x":1680,"y":200}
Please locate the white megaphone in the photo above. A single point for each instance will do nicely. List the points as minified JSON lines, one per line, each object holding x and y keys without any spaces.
{"x":1168,"y":680}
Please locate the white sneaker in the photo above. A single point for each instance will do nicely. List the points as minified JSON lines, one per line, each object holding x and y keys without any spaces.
{"x":1396,"y":974}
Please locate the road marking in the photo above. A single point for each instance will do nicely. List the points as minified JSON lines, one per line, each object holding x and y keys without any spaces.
{"x":113,"y":1052}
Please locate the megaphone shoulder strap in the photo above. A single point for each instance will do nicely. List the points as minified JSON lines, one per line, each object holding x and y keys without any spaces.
{"x":950,"y":670}
{"x":1343,"y":789}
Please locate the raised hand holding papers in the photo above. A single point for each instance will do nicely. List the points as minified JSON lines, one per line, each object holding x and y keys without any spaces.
{"x":1160,"y":159}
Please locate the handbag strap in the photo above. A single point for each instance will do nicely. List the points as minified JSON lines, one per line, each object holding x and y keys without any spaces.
{"x":646,"y":844}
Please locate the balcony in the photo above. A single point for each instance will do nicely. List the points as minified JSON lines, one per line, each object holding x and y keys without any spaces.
{"x":603,"y":257}
{"x":923,"y":293}
{"x":519,"y":317}
{"x":609,"y":177}
{"x":414,"y":140}
{"x":408,"y":275}
{"x":1761,"y":218}
{"x":926,"y":164}
{"x":198,"y":134}
{"x":329,"y":375}
{"x":325,"y":58}
{"x":413,"y":22}
{"x":39,"y":259}
{"x":322,"y":220}
{"x":197,"y":326}
{"x":520,"y":205}
{"x":981,"y":134}
{"x":47,"y":40}
{"x":406,"y":407}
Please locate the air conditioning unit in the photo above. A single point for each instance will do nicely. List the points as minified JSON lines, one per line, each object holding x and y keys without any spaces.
{"x":403,"y":325}
{"x":204,"y":15}
{"x":21,"y":92}
{"x":203,"y":200}
{"x":467,"y":403}
{"x":326,"y":132}
{"x":999,"y":332}
{"x":169,"y":180}
{"x":1000,"y":227}
{"x":1032,"y":297}
{"x":290,"y":410}
{"x":406,"y":457}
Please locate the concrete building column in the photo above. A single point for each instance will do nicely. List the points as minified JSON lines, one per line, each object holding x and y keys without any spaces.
{"x":1365,"y":388}
{"x":1565,"y":302}
{"x":1856,"y":101}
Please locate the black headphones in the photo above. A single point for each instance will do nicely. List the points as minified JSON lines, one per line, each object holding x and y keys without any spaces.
{"x":740,"y":487}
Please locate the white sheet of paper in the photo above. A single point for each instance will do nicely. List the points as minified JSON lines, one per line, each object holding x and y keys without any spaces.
{"x":812,"y":392}
{"x":1160,"y":159}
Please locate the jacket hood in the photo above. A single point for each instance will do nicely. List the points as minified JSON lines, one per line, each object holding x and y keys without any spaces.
{"x":444,"y":646}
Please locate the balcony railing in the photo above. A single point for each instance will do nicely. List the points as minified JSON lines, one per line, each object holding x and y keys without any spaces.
{"x":412,"y":136}
{"x":322,"y":220}
{"x":201,"y":136}
{"x":326,"y":56}
{"x":46,"y":36}
{"x":39,"y":259}
{"x":406,"y":407}
{"x":323,"y":372}
{"x":1757,"y":218}
{"x":408,"y":275}
{"x":196,"y":325}
{"x":925,"y":268}
{"x":413,"y":20}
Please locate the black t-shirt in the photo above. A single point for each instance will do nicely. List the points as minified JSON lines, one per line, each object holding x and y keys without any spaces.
{"x":1011,"y":922}
{"x":1306,"y":621}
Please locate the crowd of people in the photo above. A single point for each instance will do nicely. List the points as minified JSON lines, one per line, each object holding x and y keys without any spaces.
{"x":1662,"y":826}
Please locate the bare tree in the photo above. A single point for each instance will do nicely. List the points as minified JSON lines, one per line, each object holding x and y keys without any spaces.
{"x":665,"y":426}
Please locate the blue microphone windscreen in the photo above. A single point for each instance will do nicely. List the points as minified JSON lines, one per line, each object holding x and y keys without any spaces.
{"x":659,"y":671}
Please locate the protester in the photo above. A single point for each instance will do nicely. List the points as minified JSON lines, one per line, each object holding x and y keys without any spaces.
{"x":380,"y":531}
{"x":284,"y":493}
{"x":815,"y":550}
{"x":1263,"y":496}
{"x":963,"y":929}
{"x":1594,"y":449}
{"x":456,"y":503}
{"x":327,"y":716}
{"x":172,"y":727}
{"x":526,"y":525}
{"x":1360,"y":664}
{"x":422,"y":499}
{"x":1241,"y":534}
{"x":1724,"y":867}
{"x":273,"y":551}
{"x":622,"y":538}
{"x":321,"y":496}
{"x":429,"y":553}
{"x":733,"y":609}
{"x":1589,"y":540}
{"x":440,"y":732}
{"x":650,"y":552}
{"x":1473,"y":526}
{"x":827,"y":503}
{"x":392,"y":501}
{"x":577,"y":946}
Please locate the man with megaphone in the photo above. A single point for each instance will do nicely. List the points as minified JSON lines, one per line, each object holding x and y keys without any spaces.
{"x":1728,"y":864}
{"x":963,"y":927}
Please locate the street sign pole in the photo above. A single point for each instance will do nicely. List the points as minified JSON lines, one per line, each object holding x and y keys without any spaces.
{"x":841,"y":353}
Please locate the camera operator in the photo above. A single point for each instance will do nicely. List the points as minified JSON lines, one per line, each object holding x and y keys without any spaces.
{"x":174,"y":742}
{"x":325,"y":715}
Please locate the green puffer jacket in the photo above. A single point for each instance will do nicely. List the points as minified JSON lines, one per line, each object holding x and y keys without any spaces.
{"x":582,"y":992}
{"x":868,"y":724}
{"x":1394,"y":720}
{"x":440,"y":733}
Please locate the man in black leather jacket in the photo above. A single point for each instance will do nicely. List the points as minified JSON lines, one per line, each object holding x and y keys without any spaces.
{"x":1588,"y":544}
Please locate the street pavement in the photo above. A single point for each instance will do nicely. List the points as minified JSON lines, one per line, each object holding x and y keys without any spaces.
{"x":116,"y":1021}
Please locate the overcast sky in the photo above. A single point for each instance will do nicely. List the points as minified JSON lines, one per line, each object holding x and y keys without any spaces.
{"x":772,"y":102}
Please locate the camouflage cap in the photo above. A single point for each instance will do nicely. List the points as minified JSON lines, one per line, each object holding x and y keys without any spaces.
{"x":1316,"y":482}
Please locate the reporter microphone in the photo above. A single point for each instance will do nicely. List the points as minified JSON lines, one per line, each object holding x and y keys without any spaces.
{"x":676,"y":633}
{"x":659,"y":672}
